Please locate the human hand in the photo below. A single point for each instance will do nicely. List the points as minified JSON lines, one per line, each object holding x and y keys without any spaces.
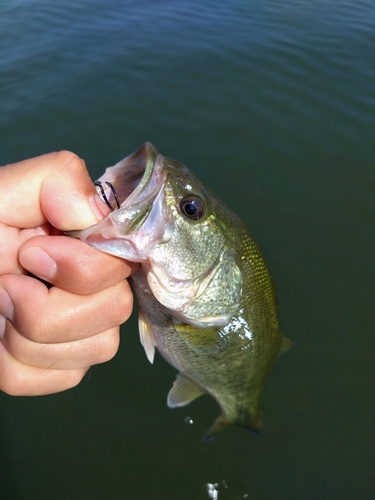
{"x":51,"y":335}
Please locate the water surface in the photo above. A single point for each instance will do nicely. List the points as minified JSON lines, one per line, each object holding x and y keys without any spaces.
{"x":272,"y":105}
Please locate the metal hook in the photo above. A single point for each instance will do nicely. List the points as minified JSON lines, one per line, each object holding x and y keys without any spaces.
{"x":102,"y":192}
{"x":114,"y":193}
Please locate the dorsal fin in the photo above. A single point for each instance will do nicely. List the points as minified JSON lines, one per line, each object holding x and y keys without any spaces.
{"x":146,"y":337}
{"x":183,"y":391}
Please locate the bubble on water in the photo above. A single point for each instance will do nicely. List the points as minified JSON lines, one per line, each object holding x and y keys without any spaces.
{"x":188,"y":420}
{"x":212,"y":490}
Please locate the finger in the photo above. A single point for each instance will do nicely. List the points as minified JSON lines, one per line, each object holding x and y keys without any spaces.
{"x":65,"y":356}
{"x":11,"y":240}
{"x":72,"y":265}
{"x":18,"y":379}
{"x":53,"y":315}
{"x":55,"y":187}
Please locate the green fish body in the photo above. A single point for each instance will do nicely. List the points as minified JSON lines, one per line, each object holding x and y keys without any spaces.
{"x":205,"y":295}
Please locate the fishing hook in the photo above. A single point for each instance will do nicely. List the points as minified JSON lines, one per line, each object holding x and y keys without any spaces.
{"x":102,"y":192}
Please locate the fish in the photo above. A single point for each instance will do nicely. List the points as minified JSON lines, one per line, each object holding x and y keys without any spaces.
{"x":206,"y":298}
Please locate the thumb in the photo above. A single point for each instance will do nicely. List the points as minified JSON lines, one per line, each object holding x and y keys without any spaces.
{"x":54,"y":188}
{"x":68,"y":197}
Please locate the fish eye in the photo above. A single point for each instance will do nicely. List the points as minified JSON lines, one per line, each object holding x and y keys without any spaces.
{"x":192,"y":207}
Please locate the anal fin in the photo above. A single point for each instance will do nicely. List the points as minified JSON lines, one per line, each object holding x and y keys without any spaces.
{"x":285,"y":345}
{"x":183,"y":392}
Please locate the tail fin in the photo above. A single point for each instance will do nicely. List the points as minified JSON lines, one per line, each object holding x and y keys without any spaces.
{"x":252,"y":423}
{"x":220,"y":424}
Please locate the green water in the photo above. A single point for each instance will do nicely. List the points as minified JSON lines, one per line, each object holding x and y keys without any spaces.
{"x":272,"y":105}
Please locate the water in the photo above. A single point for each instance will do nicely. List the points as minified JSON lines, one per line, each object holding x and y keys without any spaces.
{"x":272,"y":104}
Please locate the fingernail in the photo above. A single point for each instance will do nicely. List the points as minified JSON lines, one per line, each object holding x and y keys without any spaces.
{"x":38,"y":262}
{"x":98,"y":206}
{"x":6,"y":305}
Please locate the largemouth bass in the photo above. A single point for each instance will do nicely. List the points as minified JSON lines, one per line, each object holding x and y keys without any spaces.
{"x":205,"y":295}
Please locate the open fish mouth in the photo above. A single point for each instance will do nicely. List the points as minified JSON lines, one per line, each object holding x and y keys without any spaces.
{"x":131,"y":188}
{"x":122,"y":184}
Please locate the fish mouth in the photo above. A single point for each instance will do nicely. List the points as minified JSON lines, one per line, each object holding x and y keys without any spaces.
{"x":121,"y":184}
{"x":130,"y":188}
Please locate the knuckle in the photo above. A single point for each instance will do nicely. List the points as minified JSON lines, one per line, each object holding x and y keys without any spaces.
{"x":38,"y":324}
{"x":121,"y":304}
{"x":71,"y":379}
{"x":65,"y":157}
{"x":107,"y":346}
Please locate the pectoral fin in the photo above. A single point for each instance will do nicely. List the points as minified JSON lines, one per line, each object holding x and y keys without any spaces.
{"x":146,"y":337}
{"x":183,"y":392}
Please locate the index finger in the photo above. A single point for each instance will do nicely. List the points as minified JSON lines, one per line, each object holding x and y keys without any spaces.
{"x":79,"y":268}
